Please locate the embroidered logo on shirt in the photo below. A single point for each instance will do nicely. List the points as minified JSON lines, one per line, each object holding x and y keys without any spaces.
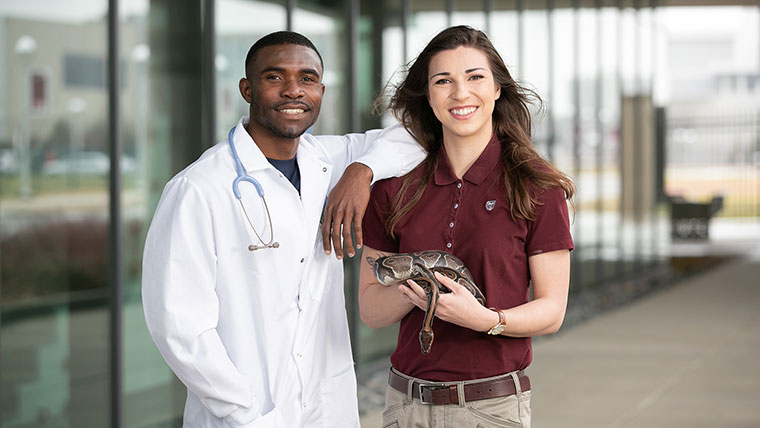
{"x":490,"y":205}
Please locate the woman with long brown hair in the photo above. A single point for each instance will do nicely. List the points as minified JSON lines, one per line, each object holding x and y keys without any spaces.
{"x":485,"y":195}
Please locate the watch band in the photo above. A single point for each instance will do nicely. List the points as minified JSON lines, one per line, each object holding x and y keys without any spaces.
{"x":500,"y":326}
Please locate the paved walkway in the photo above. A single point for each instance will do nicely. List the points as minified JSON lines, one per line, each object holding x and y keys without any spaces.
{"x":685,"y":356}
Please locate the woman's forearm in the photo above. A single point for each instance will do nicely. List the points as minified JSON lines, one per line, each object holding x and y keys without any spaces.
{"x":379,"y":305}
{"x":535,"y":318}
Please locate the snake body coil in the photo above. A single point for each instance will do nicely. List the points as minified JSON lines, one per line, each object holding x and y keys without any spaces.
{"x":420,"y":267}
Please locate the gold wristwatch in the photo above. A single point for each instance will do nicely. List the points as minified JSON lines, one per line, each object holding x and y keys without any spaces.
{"x":500,"y":326}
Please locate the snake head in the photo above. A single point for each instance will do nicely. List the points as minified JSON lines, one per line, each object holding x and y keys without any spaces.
{"x":381,"y":273}
{"x":392,"y":269}
{"x":426,"y":341}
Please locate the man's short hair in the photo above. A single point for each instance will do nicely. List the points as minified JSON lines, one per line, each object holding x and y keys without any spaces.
{"x":280,"y":38}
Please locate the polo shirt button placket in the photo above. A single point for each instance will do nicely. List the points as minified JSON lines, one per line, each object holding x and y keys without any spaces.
{"x":458,"y":197}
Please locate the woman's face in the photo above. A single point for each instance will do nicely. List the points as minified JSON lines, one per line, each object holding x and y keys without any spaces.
{"x":462,"y":93}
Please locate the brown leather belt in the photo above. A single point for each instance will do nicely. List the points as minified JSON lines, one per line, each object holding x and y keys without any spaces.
{"x":446,"y":392}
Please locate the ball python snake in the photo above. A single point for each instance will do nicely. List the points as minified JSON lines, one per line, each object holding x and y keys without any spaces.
{"x":420,"y":267}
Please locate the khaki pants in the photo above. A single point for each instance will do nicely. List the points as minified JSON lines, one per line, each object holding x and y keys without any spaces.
{"x":404,"y":411}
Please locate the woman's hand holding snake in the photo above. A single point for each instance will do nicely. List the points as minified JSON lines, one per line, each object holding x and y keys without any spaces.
{"x":458,"y":307}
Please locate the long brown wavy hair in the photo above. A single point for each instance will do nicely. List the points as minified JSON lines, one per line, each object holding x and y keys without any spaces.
{"x":521,"y":163}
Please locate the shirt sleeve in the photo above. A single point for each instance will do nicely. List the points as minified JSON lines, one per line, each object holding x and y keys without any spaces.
{"x":550,"y":231}
{"x":373,"y":224}
{"x":389,"y":152}
{"x":182,"y":309}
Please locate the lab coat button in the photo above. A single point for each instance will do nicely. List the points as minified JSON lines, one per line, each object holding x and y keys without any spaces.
{"x":302,"y":259}
{"x":324,"y":169}
{"x":299,"y":355}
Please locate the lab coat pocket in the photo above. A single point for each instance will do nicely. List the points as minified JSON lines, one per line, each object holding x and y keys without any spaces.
{"x":339,"y":405}
{"x":270,"y":419}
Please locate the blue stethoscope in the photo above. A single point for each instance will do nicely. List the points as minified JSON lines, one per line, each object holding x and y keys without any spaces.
{"x":243,"y":176}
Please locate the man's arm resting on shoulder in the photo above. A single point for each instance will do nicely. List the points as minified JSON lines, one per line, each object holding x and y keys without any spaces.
{"x":372,"y":156}
{"x":182,"y":309}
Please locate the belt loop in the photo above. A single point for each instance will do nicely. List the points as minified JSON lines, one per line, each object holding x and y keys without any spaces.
{"x":518,"y":394}
{"x":460,"y":394}
{"x":409,"y":389}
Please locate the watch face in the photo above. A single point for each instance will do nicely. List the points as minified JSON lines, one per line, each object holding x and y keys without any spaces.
{"x":498,"y":328}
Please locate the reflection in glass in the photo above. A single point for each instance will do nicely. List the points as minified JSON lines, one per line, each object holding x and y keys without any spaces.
{"x":535,"y":70}
{"x":53,"y":215}
{"x":469,"y":13}
{"x":235,"y":34}
{"x":609,"y":115}
{"x":326,"y":27}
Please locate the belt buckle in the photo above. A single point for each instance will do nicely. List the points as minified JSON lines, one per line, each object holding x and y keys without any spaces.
{"x":431,"y":387}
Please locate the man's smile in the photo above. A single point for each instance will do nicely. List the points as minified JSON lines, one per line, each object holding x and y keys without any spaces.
{"x":291,"y":108}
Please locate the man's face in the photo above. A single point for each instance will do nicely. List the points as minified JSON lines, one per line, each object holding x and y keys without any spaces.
{"x":284,"y":87}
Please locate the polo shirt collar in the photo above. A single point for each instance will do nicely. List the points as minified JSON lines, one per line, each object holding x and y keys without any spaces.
{"x":444,"y":173}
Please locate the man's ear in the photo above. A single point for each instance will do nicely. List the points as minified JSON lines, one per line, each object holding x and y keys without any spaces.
{"x":245,"y":89}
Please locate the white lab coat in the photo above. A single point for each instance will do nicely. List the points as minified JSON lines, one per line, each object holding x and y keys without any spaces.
{"x":260,"y":338}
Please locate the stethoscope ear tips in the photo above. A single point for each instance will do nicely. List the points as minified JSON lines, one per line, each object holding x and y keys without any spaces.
{"x":275,"y":245}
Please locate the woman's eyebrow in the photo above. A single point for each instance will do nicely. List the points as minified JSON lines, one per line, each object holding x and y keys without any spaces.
{"x":446,"y":73}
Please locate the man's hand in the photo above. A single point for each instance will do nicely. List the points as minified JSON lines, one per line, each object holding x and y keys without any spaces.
{"x":345,"y":206}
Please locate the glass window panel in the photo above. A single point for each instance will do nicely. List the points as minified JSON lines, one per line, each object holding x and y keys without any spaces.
{"x":588,"y":144}
{"x":648,"y":232}
{"x":609,"y":113}
{"x":152,"y":396}
{"x":504,"y":34}
{"x":327,"y":29}
{"x":535,"y":70}
{"x":54,"y":215}
{"x":424,"y":24}
{"x":467,"y":12}
{"x":235,"y":34}
{"x":393,"y":64}
{"x":563,"y":104}
{"x":627,"y":71}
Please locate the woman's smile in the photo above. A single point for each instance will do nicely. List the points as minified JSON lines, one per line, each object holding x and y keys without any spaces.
{"x":463,"y":113}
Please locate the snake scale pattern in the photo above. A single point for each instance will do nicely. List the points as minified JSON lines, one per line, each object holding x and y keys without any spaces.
{"x":420,"y":267}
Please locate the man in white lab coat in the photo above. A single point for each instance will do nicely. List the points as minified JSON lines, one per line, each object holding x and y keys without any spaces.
{"x":240,"y":296}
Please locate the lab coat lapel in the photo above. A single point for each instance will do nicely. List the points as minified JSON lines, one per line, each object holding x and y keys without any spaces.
{"x":250,"y":154}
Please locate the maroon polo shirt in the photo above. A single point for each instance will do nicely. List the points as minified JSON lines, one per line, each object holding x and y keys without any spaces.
{"x":469,"y":218}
